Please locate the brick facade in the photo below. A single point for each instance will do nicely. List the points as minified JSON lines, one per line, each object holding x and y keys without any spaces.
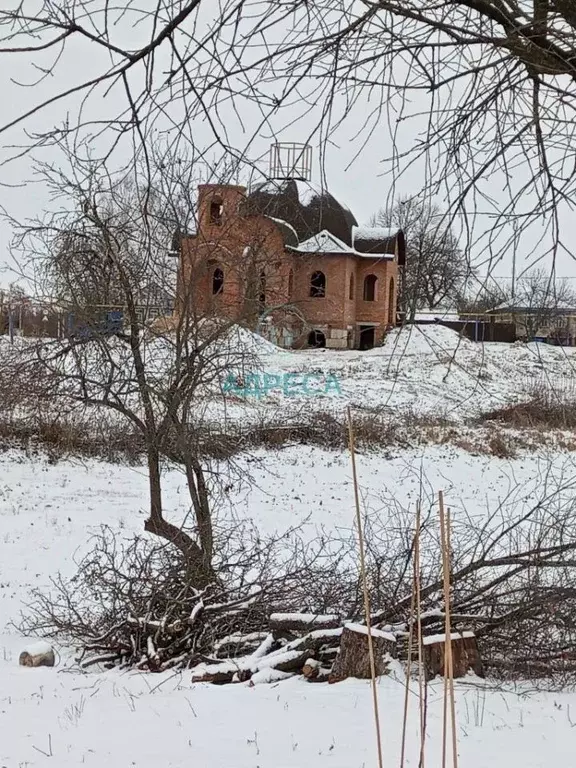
{"x":249,"y":266}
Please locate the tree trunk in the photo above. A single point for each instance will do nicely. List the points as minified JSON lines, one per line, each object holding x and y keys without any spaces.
{"x":156,"y":524}
{"x":465,"y":655}
{"x":354,"y":658}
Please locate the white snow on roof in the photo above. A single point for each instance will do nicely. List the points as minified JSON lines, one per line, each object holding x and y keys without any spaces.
{"x":439,"y":314}
{"x":373,"y":233}
{"x":307,"y":191}
{"x":284,"y":223}
{"x":326,"y":242}
{"x":538,"y":305}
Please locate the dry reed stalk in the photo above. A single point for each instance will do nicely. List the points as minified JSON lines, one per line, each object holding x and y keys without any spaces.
{"x":410,"y":644}
{"x":419,"y":633}
{"x":365,"y":588}
{"x":448,"y":661}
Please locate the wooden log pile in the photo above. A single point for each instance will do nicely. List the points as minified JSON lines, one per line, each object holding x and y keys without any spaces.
{"x":317,"y":647}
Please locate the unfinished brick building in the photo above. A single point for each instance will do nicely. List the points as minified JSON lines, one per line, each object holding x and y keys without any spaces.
{"x":288,"y":260}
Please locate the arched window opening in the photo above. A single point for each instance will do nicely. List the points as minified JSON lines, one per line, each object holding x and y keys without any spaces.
{"x":391,"y":303}
{"x":318,"y":285}
{"x":217,"y":281}
{"x":216,"y":211}
{"x":316,"y":339}
{"x":262,"y":292}
{"x":290,"y":284}
{"x":370,"y":282}
{"x":351,"y":288}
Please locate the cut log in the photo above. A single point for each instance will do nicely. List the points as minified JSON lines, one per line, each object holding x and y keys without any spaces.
{"x":311,"y":669}
{"x":234,"y":646}
{"x":317,"y":639}
{"x":37,"y":655}
{"x":241,"y":670}
{"x":327,"y":655}
{"x":323,"y":676}
{"x":292,"y":661}
{"x":465,"y":655}
{"x":302,"y":622}
{"x":354,"y":659}
{"x":220,"y":674}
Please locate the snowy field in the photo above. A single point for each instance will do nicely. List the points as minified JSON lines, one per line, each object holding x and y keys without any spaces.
{"x":66,"y":718}
{"x":427,"y":370}
{"x":50,"y":718}
{"x":420,"y":370}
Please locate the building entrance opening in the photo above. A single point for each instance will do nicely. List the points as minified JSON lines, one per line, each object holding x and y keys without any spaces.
{"x":367,"y":336}
{"x":316,"y":339}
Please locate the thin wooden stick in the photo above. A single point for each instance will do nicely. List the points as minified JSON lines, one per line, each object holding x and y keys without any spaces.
{"x":448,"y":660}
{"x":410,"y":644}
{"x":451,"y":659}
{"x":365,"y":589}
{"x":447,"y":639}
{"x":419,"y":633}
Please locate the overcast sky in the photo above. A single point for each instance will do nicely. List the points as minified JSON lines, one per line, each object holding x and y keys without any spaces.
{"x":351,"y":164}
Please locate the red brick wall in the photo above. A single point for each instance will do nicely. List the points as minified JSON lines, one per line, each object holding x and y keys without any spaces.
{"x":374,"y":311}
{"x":332,"y":308}
{"x":223,"y":245}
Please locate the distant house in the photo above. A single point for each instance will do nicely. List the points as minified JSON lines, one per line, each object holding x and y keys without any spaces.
{"x":287,"y":259}
{"x":553,"y":322}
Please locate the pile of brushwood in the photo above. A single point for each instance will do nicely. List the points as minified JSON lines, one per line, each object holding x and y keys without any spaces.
{"x":287,"y":606}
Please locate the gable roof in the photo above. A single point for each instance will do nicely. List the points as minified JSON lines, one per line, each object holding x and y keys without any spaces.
{"x":326,"y":242}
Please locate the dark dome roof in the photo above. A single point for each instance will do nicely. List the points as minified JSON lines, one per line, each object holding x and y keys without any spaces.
{"x":309,"y":209}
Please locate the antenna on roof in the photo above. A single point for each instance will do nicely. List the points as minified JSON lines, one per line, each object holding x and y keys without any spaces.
{"x":290,"y":161}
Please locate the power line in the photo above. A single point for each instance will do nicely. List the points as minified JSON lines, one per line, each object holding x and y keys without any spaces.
{"x":509,"y":277}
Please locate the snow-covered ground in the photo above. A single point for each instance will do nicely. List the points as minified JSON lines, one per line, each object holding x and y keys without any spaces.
{"x":49,"y":511}
{"x":66,"y":718}
{"x":421,"y":369}
{"x":52,"y":718}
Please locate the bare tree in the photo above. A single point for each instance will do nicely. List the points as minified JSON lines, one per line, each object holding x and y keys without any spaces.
{"x":489,"y":296}
{"x":436,"y":269}
{"x":153,"y":375}
{"x":494,"y":81}
{"x":542,"y":303}
{"x":512,"y":582}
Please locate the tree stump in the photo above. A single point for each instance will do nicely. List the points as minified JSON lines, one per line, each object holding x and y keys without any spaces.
{"x":354,"y":659}
{"x":37,"y":655}
{"x":465,"y":655}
